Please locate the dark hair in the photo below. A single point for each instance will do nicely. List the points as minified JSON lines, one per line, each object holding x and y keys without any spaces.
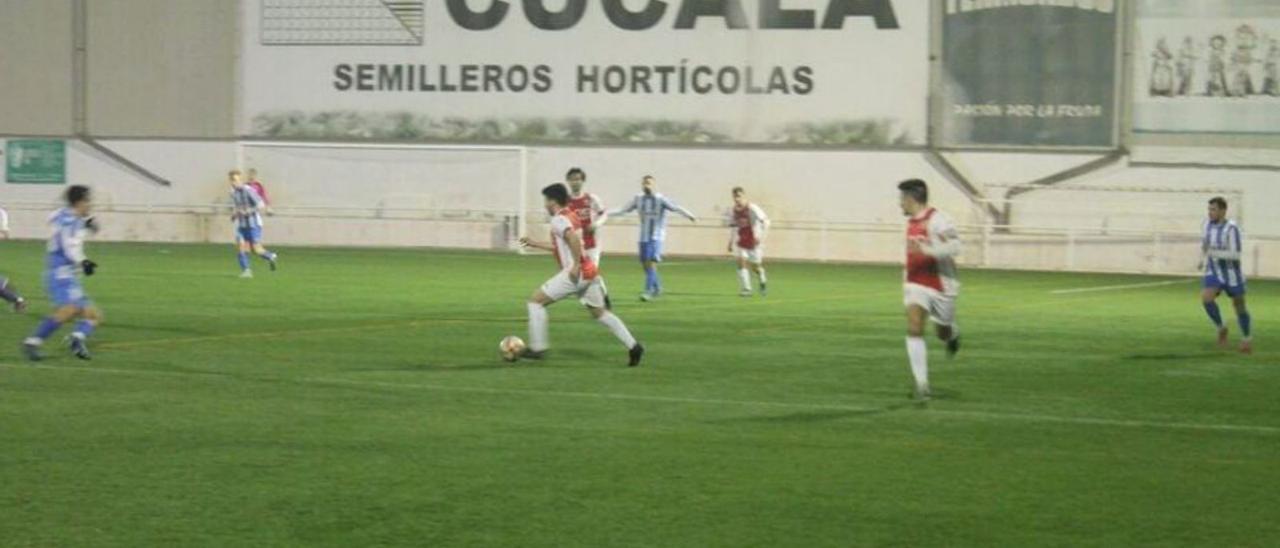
{"x":647,"y":177}
{"x":738,"y":190}
{"x":77,"y":194}
{"x":557,"y":193}
{"x":1219,"y":201}
{"x":575,"y":171}
{"x":916,"y":189}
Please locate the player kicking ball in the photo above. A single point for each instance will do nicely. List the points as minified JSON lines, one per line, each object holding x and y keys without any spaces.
{"x":64,"y":262}
{"x":247,"y":215}
{"x":746,"y":241}
{"x":1222,"y":273}
{"x":930,"y":287}
{"x":578,"y":277}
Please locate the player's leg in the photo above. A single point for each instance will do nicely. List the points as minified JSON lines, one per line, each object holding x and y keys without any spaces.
{"x":592,"y":297}
{"x":10,"y":294}
{"x":243,"y":245}
{"x":917,"y":303}
{"x":646,"y":260}
{"x":48,"y":326}
{"x":1244,"y":320}
{"x":943,"y":314}
{"x":757,"y":265}
{"x":90,"y":318}
{"x":744,"y":276}
{"x":261,"y":250}
{"x":555,"y":289}
{"x":1209,"y":298}
{"x":655,"y":257}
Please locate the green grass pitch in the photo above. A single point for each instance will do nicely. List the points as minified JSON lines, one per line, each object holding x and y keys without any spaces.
{"x":356,"y":398}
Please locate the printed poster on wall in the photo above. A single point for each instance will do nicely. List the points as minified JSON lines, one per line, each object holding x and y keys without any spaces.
{"x":41,"y":161}
{"x":1028,"y":73}
{"x":1207,"y":66}
{"x":802,"y":72}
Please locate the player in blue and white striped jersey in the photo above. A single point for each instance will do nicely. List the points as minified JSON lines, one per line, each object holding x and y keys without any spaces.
{"x":653,"y":208}
{"x":247,"y":208}
{"x":64,"y":262}
{"x":1222,"y":246}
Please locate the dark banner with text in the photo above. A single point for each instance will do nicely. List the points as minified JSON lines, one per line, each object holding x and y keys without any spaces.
{"x":1029,"y":73}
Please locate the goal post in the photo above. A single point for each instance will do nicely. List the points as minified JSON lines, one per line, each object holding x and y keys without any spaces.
{"x":468,"y":196}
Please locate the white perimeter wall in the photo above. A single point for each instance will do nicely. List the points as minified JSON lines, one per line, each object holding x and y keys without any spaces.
{"x":794,"y":187}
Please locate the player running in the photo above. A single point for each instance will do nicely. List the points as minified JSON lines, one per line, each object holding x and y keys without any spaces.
{"x":247,"y":215}
{"x":653,"y":208}
{"x":7,"y":291}
{"x":930,"y":287}
{"x":748,"y":225}
{"x":65,"y":260}
{"x":1222,"y":273}
{"x":578,"y":277}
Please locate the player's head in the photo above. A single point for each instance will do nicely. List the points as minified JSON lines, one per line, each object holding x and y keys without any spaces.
{"x":78,"y":199}
{"x":648,"y":183}
{"x":557,"y":196}
{"x":251,"y":174}
{"x":914,"y":196}
{"x":234,"y":177}
{"x":739,"y":196}
{"x":1217,"y":209}
{"x":576,"y":178}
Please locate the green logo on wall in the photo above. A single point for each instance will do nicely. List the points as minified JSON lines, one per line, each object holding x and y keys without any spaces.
{"x":36,"y":161}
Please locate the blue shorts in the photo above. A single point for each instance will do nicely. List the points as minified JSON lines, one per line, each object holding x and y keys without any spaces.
{"x":66,"y":292}
{"x":251,"y":234}
{"x":651,"y":251}
{"x":1212,"y":282}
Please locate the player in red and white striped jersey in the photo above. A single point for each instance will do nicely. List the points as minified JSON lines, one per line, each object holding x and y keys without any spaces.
{"x":578,"y":277}
{"x":930,"y":286}
{"x":748,"y":225}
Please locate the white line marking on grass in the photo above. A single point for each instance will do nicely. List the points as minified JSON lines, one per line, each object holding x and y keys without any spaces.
{"x":931,"y":412}
{"x":1115,"y":287}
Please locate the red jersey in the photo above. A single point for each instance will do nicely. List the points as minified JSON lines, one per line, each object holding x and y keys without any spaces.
{"x":262,"y":191}
{"x":747,"y":221}
{"x":937,"y":270}
{"x":586,"y":207}
{"x":562,"y":223}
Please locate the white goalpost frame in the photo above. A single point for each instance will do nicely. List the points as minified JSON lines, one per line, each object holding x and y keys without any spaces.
{"x":520,"y":210}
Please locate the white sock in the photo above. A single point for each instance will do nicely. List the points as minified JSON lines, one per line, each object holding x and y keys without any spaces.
{"x":745,"y":279}
{"x":918,"y":353}
{"x":537,"y":327}
{"x":763,"y":278}
{"x":955,"y":332}
{"x":618,"y":328}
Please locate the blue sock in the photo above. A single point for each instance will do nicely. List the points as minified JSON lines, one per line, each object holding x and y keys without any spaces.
{"x":268,"y":255}
{"x":1211,"y":308}
{"x":650,"y":279}
{"x":84,"y":328}
{"x":657,"y":281}
{"x":1244,"y":320}
{"x":46,"y":328}
{"x":244,"y":260}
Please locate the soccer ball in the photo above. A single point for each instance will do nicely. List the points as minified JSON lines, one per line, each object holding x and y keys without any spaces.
{"x":511,"y":347}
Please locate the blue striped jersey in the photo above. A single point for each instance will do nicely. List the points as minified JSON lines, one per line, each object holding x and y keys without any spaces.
{"x":65,"y":250}
{"x":246,"y":204}
{"x":653,"y":210}
{"x":1222,"y":246}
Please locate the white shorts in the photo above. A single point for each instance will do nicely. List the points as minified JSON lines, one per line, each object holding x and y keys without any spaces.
{"x":941,"y":307}
{"x":753,"y":256}
{"x":589,"y":293}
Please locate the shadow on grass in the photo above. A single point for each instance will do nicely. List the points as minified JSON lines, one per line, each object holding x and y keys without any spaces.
{"x":825,"y":415}
{"x":1165,"y":356}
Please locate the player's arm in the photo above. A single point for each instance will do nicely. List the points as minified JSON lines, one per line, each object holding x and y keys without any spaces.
{"x":944,"y":240}
{"x":1231,"y":249}
{"x":631,"y":206}
{"x":761,"y":221}
{"x":672,"y":206}
{"x":4,"y":224}
{"x":532,"y":244}
{"x":582,"y":266}
{"x":71,"y":242}
{"x":599,"y":215}
{"x":733,"y":230}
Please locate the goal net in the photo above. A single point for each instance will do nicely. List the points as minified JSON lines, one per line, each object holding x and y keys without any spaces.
{"x":392,"y":195}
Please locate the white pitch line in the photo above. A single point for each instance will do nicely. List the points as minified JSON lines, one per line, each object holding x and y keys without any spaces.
{"x":1115,"y":287}
{"x":958,"y":414}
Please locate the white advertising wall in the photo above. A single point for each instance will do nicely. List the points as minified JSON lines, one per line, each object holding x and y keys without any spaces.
{"x":724,"y":71}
